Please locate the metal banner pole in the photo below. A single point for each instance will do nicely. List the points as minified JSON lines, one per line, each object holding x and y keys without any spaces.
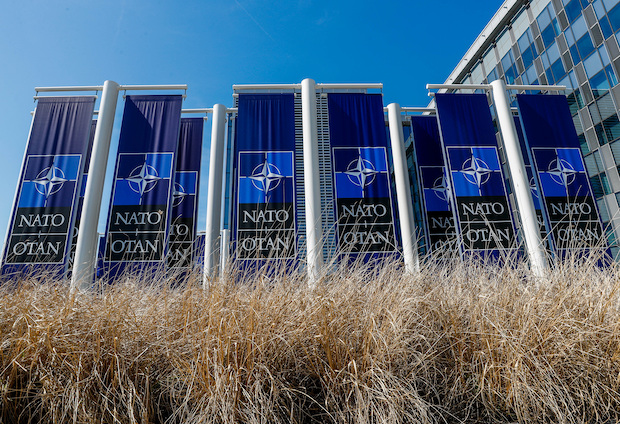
{"x":518,"y":176}
{"x":403,"y":194}
{"x":314,"y":226}
{"x":214,"y":199}
{"x":86,"y":246}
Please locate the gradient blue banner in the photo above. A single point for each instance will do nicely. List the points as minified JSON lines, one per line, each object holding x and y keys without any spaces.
{"x":185,"y":195}
{"x":440,"y":231}
{"x":264,"y":224}
{"x":363,"y":202}
{"x":482,"y":211}
{"x":44,"y":211}
{"x":80,"y":202}
{"x":554,"y":151}
{"x":140,"y":208}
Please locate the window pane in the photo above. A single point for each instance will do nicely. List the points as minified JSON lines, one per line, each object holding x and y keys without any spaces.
{"x":593,"y":65}
{"x":573,"y":10}
{"x":614,"y":17}
{"x":585,"y":46}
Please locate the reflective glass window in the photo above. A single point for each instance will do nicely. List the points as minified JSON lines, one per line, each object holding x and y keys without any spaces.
{"x":585,"y":46}
{"x":520,"y":24}
{"x":614,"y":17}
{"x":583,"y":144}
{"x":593,"y":65}
{"x":548,"y":35}
{"x":476,"y":74}
{"x":579,"y":27}
{"x":557,"y":68}
{"x":598,"y":8}
{"x":573,"y":10}
{"x":611,"y":75}
{"x":544,"y":18}
{"x":609,"y":4}
{"x":599,"y":84}
{"x":605,"y":27}
{"x":531,"y":74}
{"x":574,"y":54}
{"x":492,"y":76}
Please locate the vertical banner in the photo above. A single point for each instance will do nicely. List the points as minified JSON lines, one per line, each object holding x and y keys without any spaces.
{"x":44,"y":210}
{"x":139,"y":214}
{"x":565,"y":188}
{"x":265,"y":214}
{"x":541,"y":215}
{"x":362,"y":190}
{"x":482,"y":212}
{"x":185,"y":195}
{"x":440,"y":231}
{"x":80,"y":202}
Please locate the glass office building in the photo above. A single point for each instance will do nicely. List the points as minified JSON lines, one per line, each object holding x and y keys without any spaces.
{"x":574,"y":43}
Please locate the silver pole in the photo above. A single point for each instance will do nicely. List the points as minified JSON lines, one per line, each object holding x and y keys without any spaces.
{"x":86,"y":246}
{"x":214,"y":199}
{"x":314,"y":226}
{"x":403,"y":194}
{"x":225,"y":251}
{"x":518,"y":176}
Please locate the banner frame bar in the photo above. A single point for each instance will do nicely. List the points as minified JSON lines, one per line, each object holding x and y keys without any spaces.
{"x":489,"y":87}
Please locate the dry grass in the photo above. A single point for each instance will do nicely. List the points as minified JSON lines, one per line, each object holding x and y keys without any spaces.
{"x":458,"y":343}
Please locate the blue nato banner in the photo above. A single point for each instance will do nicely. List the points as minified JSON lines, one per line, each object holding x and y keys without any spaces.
{"x":440,"y":231}
{"x":541,"y":215}
{"x":482,"y":211}
{"x":362,"y":191}
{"x":82,"y":193}
{"x":553,"y":147}
{"x":264,"y":225}
{"x":140,"y":207}
{"x":184,"y":218}
{"x":44,"y":210}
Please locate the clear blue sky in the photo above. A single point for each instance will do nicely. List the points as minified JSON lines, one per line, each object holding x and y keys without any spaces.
{"x":211,"y":45}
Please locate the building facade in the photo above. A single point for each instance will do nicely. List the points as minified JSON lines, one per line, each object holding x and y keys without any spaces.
{"x":574,"y":43}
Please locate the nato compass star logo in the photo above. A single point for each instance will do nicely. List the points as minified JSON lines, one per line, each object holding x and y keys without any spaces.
{"x":441,"y":189}
{"x":476,"y":171}
{"x":533,"y":188}
{"x":49,"y":181}
{"x":361,"y":172}
{"x":143,"y":179}
{"x":179,"y":194}
{"x":49,"y":178}
{"x":561,"y":172}
{"x":266,"y":177}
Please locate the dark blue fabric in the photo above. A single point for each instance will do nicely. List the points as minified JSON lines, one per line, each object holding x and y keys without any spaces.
{"x":266,"y":122}
{"x":49,"y":186}
{"x":554,"y":150}
{"x":356,"y":120}
{"x":482,"y":211}
{"x":547,"y":120}
{"x":427,"y":141}
{"x":434,"y":187}
{"x":150,"y":124}
{"x":264,"y":183}
{"x":361,"y":175}
{"x":465,"y":120}
{"x":185,"y":194}
{"x":140,"y":206}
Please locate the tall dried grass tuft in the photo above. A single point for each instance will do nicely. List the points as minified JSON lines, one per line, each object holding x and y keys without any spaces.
{"x":460,"y":342}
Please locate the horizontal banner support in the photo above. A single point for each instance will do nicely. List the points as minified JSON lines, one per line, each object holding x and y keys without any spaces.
{"x":120,"y":88}
{"x":488,"y":87}
{"x":298,"y":86}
